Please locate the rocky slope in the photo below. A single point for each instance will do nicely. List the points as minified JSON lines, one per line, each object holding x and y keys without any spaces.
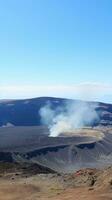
{"x":26,"y":182}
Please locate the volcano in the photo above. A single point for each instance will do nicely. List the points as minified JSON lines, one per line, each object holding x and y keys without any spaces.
{"x":24,"y":139}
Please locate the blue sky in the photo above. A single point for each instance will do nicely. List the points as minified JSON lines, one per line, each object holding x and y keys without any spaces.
{"x":56,"y":48}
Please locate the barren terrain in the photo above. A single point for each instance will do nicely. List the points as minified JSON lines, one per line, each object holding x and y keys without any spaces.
{"x":87,"y":184}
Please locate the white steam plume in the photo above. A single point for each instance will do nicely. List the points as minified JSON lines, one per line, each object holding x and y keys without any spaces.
{"x":69,"y":117}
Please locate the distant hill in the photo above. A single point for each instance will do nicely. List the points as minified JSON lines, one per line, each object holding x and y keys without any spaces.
{"x":26,"y":112}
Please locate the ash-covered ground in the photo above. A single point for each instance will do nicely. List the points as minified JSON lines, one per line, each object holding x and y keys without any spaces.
{"x":71,"y":151}
{"x":30,"y":182}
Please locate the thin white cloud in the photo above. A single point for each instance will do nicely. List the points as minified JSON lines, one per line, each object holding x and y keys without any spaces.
{"x":87,"y":91}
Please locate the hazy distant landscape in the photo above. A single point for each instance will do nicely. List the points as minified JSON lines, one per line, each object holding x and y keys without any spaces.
{"x":27,"y":112}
